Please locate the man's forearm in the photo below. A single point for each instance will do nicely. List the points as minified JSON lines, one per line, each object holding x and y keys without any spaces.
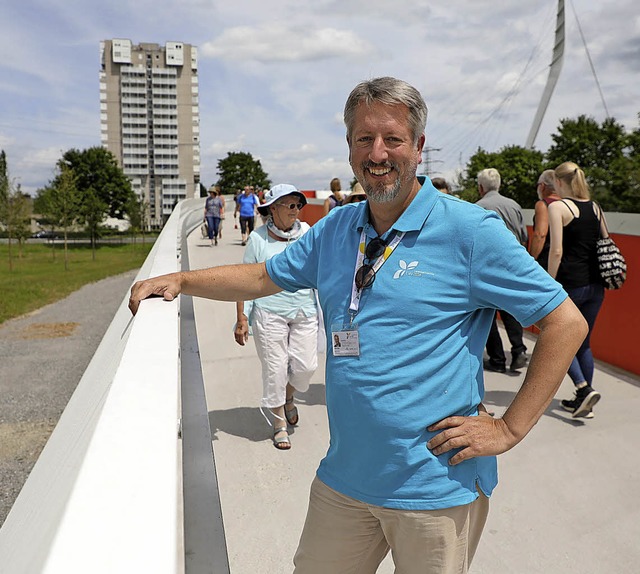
{"x":561,"y":334}
{"x":226,"y":283}
{"x":229,"y":282}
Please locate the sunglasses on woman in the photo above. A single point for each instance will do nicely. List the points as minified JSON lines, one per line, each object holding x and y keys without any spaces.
{"x":291,"y":206}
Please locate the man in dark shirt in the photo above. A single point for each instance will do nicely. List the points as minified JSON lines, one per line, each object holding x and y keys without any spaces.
{"x":511,"y":213}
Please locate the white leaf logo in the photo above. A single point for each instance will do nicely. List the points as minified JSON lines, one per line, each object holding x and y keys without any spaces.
{"x":404,"y":267}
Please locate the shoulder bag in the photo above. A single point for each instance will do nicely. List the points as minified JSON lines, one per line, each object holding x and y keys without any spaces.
{"x":611,"y":263}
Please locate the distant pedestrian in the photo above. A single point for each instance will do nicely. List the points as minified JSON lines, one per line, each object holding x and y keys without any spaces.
{"x":224,"y":204}
{"x":213,"y":214}
{"x":576,"y":223}
{"x":336,"y":198}
{"x":489,"y":181}
{"x":540,"y":241}
{"x":441,"y":185}
{"x":357,"y":194}
{"x":246,"y":205}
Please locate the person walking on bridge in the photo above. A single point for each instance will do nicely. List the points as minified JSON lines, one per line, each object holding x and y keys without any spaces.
{"x":576,"y":224}
{"x":213,"y":214}
{"x":511,"y":213}
{"x":285,"y":325}
{"x":541,"y":240}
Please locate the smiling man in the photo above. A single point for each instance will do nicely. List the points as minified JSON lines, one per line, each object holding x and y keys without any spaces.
{"x":408,"y":282}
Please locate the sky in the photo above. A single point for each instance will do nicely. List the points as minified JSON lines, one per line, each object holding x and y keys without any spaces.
{"x":274,"y":75}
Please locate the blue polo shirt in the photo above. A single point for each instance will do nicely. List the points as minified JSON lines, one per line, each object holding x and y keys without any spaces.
{"x":423,"y":325}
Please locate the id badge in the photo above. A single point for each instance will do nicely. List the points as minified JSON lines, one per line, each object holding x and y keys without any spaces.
{"x":345,"y":341}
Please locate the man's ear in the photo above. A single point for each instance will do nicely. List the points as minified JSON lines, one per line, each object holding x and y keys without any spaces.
{"x":420,"y":147}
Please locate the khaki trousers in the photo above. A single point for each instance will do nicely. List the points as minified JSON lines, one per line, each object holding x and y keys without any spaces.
{"x":344,"y":536}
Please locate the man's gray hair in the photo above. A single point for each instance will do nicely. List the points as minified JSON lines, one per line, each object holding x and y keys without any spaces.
{"x":489,"y":179}
{"x":389,"y":91}
{"x":548,"y":177}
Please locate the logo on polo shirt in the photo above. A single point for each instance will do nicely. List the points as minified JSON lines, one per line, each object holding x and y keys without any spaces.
{"x":409,"y":269}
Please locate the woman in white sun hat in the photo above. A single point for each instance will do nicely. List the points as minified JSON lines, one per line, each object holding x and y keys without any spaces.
{"x":285,"y":325}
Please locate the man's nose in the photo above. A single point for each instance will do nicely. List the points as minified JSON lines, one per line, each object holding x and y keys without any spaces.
{"x":378,"y":152}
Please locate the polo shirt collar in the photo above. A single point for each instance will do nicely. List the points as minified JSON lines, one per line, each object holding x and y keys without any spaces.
{"x":414,"y":216}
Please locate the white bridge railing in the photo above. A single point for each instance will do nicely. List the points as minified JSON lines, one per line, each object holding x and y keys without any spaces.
{"x":127,"y":482}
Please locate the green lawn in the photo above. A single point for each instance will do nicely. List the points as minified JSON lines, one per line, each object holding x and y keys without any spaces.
{"x":38,"y":279}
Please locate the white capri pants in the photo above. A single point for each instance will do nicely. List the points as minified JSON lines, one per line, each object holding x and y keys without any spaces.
{"x":288,"y":352}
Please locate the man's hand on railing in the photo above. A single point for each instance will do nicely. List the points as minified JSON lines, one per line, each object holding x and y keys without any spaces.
{"x":167,"y":286}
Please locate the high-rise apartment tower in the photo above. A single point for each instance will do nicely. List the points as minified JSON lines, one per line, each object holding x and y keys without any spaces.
{"x":150,"y":121}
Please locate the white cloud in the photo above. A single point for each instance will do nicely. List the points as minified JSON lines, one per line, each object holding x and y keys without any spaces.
{"x":280,"y":43}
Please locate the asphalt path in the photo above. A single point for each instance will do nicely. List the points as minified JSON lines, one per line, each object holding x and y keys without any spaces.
{"x":43,"y":356}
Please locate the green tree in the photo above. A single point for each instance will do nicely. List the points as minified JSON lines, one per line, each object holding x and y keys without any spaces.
{"x":604,"y":153}
{"x":519,"y":169}
{"x":91,"y":211}
{"x":15,"y":210}
{"x":96,"y":169}
{"x":239,"y":169}
{"x":630,"y":198}
{"x":61,"y":202}
{"x":138,"y":210}
{"x":4,"y":176}
{"x":21,"y":209}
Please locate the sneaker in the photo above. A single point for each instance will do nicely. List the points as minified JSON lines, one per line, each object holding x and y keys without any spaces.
{"x":518,"y":361}
{"x":495,"y":367}
{"x":583,"y":402}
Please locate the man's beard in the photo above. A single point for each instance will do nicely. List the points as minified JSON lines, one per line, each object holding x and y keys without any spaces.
{"x":381,"y":193}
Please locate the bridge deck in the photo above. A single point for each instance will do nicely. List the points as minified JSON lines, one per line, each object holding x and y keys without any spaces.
{"x":567,"y":500}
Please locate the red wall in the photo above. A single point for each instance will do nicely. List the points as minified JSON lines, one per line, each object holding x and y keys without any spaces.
{"x":312,"y":213}
{"x":615,"y":336}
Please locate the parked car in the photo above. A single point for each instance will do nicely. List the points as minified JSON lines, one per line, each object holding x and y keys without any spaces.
{"x":45,"y":234}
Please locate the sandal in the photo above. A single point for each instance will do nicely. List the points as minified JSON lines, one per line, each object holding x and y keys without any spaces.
{"x":283,"y":442}
{"x":291,"y":414}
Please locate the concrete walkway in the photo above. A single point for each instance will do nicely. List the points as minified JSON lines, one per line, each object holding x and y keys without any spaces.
{"x":568,"y":499}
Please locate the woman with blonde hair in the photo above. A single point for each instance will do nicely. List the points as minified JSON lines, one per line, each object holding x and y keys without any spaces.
{"x":336,"y":198}
{"x":575,"y":224}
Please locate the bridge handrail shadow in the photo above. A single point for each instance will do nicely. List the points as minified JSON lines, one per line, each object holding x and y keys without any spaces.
{"x":106,"y":494}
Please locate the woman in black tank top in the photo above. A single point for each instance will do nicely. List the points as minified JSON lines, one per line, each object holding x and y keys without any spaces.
{"x":575,"y":226}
